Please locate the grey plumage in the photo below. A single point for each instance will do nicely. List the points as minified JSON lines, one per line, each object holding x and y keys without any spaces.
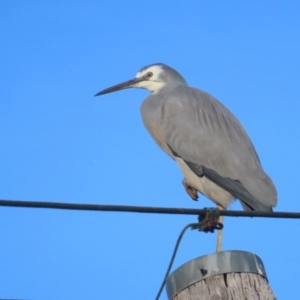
{"x":209,"y":144}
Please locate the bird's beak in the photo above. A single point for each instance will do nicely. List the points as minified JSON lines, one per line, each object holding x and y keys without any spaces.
{"x":124,"y":85}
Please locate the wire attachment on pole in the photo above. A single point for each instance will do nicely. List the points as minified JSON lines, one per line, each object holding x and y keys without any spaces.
{"x":209,"y":220}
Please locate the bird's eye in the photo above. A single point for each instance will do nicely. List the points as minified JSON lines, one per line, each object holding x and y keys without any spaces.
{"x":149,"y":75}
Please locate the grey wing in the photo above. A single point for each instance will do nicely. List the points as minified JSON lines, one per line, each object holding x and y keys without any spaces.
{"x":212,"y":142}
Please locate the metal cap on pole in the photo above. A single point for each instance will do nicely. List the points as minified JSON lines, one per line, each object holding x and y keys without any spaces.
{"x":218,"y":263}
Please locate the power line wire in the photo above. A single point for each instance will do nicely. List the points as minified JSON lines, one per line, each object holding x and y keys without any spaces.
{"x":144,"y":209}
{"x":193,"y":226}
{"x":148,"y":209}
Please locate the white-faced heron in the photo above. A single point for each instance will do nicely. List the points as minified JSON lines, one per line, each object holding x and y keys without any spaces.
{"x":212,"y":149}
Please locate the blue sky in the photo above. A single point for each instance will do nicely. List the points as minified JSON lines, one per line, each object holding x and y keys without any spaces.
{"x":59,"y":143}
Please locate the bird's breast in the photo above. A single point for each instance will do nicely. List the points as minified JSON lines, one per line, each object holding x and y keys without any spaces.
{"x":151,"y":111}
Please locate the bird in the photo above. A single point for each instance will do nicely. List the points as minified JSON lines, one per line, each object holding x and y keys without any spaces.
{"x":209,"y":144}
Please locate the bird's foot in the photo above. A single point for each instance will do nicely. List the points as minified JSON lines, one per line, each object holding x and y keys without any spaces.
{"x":190,"y":190}
{"x":209,"y":220}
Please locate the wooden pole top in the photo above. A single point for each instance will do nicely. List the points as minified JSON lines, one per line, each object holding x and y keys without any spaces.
{"x":217,"y":263}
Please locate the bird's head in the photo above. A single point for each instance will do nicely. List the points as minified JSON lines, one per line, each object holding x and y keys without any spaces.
{"x":153,"y":78}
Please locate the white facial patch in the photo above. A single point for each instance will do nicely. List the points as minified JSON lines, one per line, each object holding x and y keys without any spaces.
{"x":156,"y":70}
{"x":152,"y":84}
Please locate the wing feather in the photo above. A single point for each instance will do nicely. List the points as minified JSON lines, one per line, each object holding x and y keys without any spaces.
{"x":203,"y":132}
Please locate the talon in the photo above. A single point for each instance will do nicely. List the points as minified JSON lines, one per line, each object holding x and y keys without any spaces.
{"x":209,"y":221}
{"x":190,"y":190}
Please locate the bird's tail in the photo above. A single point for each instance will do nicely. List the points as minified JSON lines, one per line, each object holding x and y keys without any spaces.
{"x":258,"y":207}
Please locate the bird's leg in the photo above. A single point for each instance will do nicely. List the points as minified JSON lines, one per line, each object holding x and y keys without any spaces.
{"x":190,"y":190}
{"x":220,"y":232}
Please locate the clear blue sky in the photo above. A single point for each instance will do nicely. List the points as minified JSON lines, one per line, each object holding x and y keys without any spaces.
{"x":59,"y":143}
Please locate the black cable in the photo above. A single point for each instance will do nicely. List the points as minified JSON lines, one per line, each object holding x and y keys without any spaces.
{"x":148,"y":209}
{"x":144,"y":209}
{"x":193,"y":226}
